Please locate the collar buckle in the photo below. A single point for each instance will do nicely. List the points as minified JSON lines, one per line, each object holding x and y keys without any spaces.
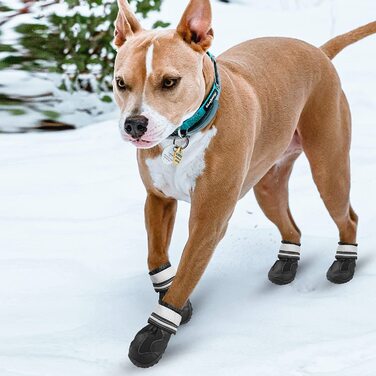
{"x":182,"y":133}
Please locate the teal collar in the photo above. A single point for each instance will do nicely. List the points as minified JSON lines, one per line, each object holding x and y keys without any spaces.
{"x":207,"y":111}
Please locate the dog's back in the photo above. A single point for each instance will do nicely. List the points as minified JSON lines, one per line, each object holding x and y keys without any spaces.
{"x":289,"y":79}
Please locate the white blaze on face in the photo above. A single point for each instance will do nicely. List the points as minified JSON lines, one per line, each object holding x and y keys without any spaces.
{"x":149,"y":60}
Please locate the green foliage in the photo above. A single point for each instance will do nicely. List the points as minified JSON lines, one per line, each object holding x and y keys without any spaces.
{"x":77,"y":44}
{"x":4,"y":8}
{"x":7,"y":48}
{"x":51,"y":114}
{"x":145,"y":6}
{"x":160,"y":24}
{"x":17,"y":111}
{"x":106,"y":99}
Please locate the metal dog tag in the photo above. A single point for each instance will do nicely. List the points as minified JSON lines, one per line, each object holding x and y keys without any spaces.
{"x":178,"y":155}
{"x":168,"y":155}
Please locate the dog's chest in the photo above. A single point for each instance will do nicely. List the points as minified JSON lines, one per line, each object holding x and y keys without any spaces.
{"x":179,"y":181}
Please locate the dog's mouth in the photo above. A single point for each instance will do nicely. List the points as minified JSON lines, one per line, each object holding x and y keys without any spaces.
{"x":140,"y":141}
{"x":142,"y":144}
{"x":154,"y":135}
{"x":147,"y":141}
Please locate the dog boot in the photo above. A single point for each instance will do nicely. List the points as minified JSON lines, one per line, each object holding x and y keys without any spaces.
{"x":284,"y":270}
{"x":162,"y":279}
{"x":151,"y":342}
{"x":148,"y":346}
{"x":342,"y":270}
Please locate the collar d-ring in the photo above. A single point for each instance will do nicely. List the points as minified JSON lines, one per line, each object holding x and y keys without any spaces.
{"x":186,"y":139}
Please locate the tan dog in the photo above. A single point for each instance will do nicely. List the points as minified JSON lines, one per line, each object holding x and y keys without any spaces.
{"x":279,"y":97}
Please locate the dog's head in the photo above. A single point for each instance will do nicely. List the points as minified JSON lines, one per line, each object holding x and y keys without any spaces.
{"x":158,"y":78}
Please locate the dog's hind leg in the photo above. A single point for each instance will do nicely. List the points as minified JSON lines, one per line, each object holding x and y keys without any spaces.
{"x":272,"y":195}
{"x":325,"y":128}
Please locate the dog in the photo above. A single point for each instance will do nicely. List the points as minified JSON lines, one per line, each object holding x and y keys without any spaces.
{"x":209,"y":130}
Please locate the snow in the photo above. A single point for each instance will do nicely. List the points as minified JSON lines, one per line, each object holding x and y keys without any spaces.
{"x":74,"y":287}
{"x":40,"y":91}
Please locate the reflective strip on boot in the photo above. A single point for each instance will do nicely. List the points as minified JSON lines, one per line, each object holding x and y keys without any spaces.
{"x":347,"y":251}
{"x":162,"y":277}
{"x":165,"y":318}
{"x":289,"y":250}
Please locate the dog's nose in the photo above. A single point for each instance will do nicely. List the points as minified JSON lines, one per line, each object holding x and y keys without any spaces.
{"x":136,"y":126}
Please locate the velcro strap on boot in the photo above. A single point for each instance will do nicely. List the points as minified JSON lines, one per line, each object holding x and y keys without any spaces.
{"x":166,"y":318}
{"x":162,"y":277}
{"x":347,"y":251}
{"x":289,"y":250}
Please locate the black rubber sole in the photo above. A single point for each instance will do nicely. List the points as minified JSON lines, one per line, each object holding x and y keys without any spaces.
{"x":143,"y":365}
{"x":279,"y":282}
{"x":339,"y":281}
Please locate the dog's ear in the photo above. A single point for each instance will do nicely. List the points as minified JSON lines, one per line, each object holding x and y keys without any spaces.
{"x":195,"y":25}
{"x":126,"y":23}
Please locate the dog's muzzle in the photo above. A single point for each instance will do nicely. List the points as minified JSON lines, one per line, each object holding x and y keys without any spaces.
{"x":136,"y":126}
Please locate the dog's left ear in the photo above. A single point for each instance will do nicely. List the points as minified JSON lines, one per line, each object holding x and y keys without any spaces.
{"x":195,"y":25}
{"x":126,"y":23}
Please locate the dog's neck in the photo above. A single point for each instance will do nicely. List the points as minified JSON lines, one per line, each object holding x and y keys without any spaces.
{"x":208,"y":72}
{"x":206,"y":113}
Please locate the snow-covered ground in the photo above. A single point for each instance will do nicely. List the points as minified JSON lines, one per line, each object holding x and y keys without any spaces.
{"x":74,"y":287}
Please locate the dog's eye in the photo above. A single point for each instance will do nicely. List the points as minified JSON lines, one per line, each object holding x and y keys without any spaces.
{"x":121,"y":84}
{"x":169,"y":83}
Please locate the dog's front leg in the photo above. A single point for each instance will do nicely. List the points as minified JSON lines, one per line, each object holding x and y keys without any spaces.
{"x":207,"y":226}
{"x":159,"y":220}
{"x":212,"y":207}
{"x":160,"y":215}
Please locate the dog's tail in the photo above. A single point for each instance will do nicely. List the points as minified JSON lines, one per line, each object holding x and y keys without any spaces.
{"x":337,"y":44}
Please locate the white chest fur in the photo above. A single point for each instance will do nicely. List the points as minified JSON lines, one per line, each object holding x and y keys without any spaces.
{"x":179,"y":181}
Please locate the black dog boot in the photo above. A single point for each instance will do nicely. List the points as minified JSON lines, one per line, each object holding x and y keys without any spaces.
{"x":148,"y":346}
{"x":162,"y":279}
{"x":284,"y":270}
{"x":342,"y":270}
{"x":151,"y":342}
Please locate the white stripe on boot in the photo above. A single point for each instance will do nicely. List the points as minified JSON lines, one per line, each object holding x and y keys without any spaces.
{"x":165,"y":318}
{"x":163,"y":279}
{"x":347,"y":251}
{"x":288,"y":250}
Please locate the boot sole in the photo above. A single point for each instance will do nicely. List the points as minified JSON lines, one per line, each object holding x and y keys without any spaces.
{"x":279,"y":282}
{"x":143,"y":365}
{"x":337,"y":281}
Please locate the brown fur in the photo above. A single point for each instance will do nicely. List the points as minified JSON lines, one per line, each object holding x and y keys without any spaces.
{"x":280,"y":96}
{"x":333,"y":47}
